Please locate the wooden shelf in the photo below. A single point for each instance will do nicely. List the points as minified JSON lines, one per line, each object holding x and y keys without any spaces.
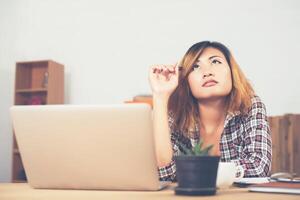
{"x":36,"y":83}
{"x":33,"y":90}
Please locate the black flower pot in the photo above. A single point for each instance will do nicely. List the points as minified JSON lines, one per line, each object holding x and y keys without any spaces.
{"x":196,"y":175}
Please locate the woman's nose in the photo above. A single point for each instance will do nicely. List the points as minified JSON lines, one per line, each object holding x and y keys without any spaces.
{"x":208,"y":74}
{"x":207,"y":71}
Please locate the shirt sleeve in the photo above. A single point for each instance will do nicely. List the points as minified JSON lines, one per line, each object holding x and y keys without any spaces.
{"x":168,"y":173}
{"x":257,"y":150}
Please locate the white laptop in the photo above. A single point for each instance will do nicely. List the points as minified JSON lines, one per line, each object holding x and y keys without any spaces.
{"x":109,"y":147}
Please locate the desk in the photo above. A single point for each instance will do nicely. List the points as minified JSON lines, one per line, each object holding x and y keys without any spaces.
{"x":22,"y":191}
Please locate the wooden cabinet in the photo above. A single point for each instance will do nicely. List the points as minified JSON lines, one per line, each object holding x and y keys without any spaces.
{"x":285,"y":132}
{"x":36,"y":83}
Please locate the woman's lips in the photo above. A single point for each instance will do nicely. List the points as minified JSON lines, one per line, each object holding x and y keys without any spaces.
{"x":209,"y":83}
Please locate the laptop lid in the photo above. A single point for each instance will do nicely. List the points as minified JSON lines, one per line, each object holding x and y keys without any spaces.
{"x":86,"y":146}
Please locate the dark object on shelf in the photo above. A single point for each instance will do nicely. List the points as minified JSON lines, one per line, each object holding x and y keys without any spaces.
{"x":45,"y":81}
{"x":35,"y":100}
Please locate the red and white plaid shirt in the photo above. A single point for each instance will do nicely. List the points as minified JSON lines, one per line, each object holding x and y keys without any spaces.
{"x":246,"y":141}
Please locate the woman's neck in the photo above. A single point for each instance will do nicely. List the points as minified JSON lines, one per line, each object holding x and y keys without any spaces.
{"x":212,"y":112}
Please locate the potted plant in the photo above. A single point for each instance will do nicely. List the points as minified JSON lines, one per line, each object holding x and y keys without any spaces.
{"x":196,"y":170}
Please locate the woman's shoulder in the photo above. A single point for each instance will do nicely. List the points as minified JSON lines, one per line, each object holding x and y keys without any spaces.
{"x":256,"y":115}
{"x":257,"y":111}
{"x":256,"y":101}
{"x":256,"y":105}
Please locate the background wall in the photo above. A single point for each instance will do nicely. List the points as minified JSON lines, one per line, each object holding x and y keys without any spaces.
{"x":107,"y":47}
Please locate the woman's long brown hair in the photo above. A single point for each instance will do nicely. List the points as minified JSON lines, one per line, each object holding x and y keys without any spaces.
{"x":184,"y":106}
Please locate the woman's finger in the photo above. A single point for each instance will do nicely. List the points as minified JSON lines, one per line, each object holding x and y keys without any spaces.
{"x":162,"y":72}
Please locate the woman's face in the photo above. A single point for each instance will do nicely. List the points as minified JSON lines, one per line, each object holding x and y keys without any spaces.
{"x":211,"y":75}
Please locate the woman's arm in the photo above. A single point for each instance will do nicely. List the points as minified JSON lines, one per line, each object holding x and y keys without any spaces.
{"x":163,"y":80}
{"x":162,"y":136}
{"x":257,"y":151}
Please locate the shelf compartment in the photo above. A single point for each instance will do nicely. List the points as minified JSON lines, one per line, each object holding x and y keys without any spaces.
{"x":32,"y":75}
{"x":31,"y":98}
{"x":31,"y":90}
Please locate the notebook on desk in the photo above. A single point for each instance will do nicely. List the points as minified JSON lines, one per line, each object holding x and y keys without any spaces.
{"x":276,"y":187}
{"x":109,"y":147}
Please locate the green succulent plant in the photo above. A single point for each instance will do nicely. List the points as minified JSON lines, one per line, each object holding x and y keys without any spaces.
{"x":197,"y":150}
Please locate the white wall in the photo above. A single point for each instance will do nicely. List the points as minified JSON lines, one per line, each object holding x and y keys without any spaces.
{"x":107,"y":46}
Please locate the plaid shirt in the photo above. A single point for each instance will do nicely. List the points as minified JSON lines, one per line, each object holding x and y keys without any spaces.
{"x":245,"y":140}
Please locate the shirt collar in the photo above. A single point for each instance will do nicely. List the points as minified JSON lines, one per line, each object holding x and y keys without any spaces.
{"x":229,"y":116}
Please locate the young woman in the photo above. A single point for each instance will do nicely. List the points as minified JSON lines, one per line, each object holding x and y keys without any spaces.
{"x":207,"y":96}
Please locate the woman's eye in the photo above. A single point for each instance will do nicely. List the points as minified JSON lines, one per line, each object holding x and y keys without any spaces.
{"x":195,"y":66}
{"x":216,"y":62}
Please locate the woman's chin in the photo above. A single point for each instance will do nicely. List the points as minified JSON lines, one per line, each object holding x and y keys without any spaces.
{"x":211,"y":97}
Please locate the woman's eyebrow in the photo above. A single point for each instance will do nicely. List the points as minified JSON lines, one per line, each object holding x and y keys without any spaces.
{"x":213,"y":57}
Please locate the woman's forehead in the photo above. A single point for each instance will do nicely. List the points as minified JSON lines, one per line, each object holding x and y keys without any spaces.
{"x":209,"y":53}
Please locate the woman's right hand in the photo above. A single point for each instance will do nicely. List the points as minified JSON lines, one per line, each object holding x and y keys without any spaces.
{"x":163,"y":79}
